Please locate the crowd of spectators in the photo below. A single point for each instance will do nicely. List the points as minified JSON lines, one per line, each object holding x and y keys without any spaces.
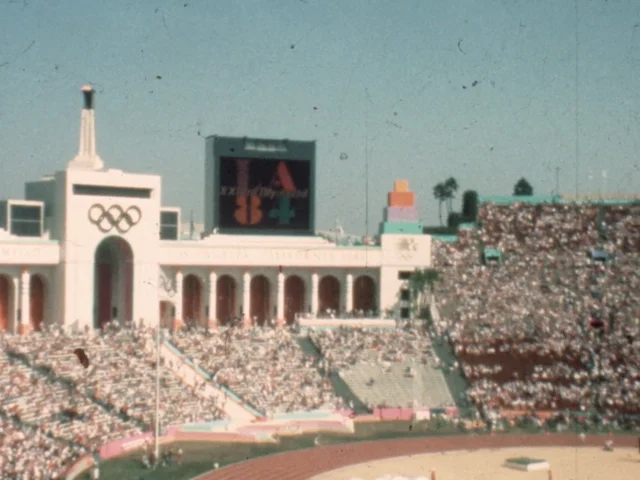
{"x":55,"y":408}
{"x":122,"y":374}
{"x":265,"y":367}
{"x":547,"y":325}
{"x":552,"y":322}
{"x":29,"y":453}
{"x":62,"y":407}
{"x":345,"y":347}
{"x":32,"y":415}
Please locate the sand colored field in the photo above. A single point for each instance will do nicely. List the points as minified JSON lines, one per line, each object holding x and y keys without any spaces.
{"x":586,"y":463}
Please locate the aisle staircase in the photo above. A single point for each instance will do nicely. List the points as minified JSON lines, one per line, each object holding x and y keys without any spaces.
{"x":190,"y":374}
{"x":340,"y":387}
{"x":454,"y":379}
{"x":393,"y":387}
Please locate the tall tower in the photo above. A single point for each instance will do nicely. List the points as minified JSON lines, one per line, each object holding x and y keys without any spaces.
{"x":87,"y":158}
{"x":401,"y":214}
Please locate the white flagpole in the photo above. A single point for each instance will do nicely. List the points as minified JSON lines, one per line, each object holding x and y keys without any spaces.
{"x":170,"y":292}
{"x":157,"y":443}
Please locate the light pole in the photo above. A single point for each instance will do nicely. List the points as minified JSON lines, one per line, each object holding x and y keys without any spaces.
{"x":157,"y":434}
{"x":170,"y":291}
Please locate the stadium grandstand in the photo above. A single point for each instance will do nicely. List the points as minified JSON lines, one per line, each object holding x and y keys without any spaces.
{"x":535,"y":310}
{"x":548,"y":324}
{"x":539,"y":301}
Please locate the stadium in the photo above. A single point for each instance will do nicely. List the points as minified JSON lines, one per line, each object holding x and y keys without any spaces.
{"x":261,"y":336}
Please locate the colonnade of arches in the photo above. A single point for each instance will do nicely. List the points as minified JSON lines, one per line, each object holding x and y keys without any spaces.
{"x":10,"y":302}
{"x":194,"y":308}
{"x":262,"y":303}
{"x":113,"y":290}
{"x":363,"y":294}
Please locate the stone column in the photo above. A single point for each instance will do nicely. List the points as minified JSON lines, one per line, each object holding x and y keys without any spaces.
{"x":315,"y":284}
{"x":15,"y":305}
{"x":213,"y":299}
{"x":280,"y":301}
{"x":348,"y":293}
{"x":177,"y":320}
{"x":25,"y":303}
{"x":246,"y":299}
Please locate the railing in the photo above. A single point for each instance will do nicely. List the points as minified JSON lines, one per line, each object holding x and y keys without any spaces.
{"x":207,"y":376}
{"x":604,"y":197}
{"x":368,"y":315}
{"x":311,"y":321}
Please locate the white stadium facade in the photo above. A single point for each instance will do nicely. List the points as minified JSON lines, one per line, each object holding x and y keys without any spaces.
{"x":90,"y":244}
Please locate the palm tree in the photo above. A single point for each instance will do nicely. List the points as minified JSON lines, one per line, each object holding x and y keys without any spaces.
{"x":440,"y":194}
{"x":450,"y":188}
{"x":421,"y":282}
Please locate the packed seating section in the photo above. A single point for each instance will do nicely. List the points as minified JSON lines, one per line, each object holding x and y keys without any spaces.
{"x":385,"y":368}
{"x":45,"y":387}
{"x":29,"y":450}
{"x":545,"y":327}
{"x":265,"y":367}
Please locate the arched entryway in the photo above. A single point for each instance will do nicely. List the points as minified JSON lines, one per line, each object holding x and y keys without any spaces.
{"x":329,"y":293}
{"x":166,"y":314}
{"x":260,"y":299}
{"x":364,"y":296}
{"x":5,"y":303}
{"x":113,"y":297}
{"x":226,"y":299}
{"x":294,"y":293}
{"x":37,"y":294}
{"x":192,"y":299}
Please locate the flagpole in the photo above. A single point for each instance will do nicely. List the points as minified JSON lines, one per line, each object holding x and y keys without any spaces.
{"x":157,"y":443}
{"x":170,"y":291}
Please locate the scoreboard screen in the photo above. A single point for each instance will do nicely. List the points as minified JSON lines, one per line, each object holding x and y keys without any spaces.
{"x":264,"y":194}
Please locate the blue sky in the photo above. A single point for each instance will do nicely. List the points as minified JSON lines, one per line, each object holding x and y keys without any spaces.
{"x":384,"y":73}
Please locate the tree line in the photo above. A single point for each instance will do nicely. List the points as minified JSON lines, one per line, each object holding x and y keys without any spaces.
{"x":422,"y":281}
{"x":445,"y":193}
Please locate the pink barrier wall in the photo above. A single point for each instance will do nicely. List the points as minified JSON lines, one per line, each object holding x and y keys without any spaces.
{"x":452,"y":411}
{"x":393,"y":413}
{"x":381,"y":414}
{"x":311,"y":427}
{"x":123,"y":445}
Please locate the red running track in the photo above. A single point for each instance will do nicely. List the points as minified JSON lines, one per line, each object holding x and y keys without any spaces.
{"x":304,"y":464}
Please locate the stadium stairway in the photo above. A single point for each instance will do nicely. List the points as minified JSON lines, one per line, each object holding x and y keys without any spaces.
{"x":188,"y":374}
{"x":340,"y":387}
{"x":454,"y":379}
{"x":428,"y":387}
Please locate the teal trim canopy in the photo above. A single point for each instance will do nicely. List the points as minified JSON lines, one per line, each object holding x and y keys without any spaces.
{"x":599,"y":255}
{"x":492,"y":254}
{"x":401,"y":228}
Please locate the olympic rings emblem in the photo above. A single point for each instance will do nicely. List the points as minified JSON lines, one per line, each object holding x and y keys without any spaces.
{"x":106,"y":219}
